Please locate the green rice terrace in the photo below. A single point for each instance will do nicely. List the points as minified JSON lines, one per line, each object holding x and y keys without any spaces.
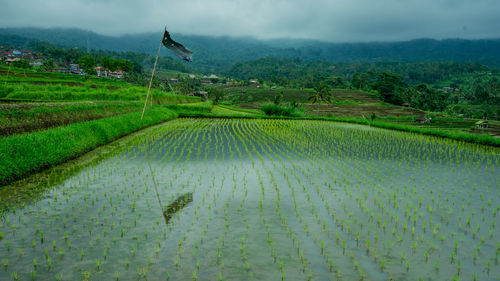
{"x":18,"y":85}
{"x":259,"y":199}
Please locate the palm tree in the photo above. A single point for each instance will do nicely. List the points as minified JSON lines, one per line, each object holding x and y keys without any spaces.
{"x":321,"y":94}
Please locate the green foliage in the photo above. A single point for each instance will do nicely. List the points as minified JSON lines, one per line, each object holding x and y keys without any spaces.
{"x":183,"y":109}
{"x":277,"y":110}
{"x":216,"y":94}
{"x":22,"y":118}
{"x":474,"y":111}
{"x":322,"y":93}
{"x":5,"y":91}
{"x":116,"y":64}
{"x":252,"y":94}
{"x":487,"y":91}
{"x":28,"y":153}
{"x":42,"y":86}
{"x":360,"y":81}
{"x":278,"y":99}
{"x":389,"y":87}
{"x":48,"y":65}
{"x":22,"y":63}
{"x":426,"y":98}
{"x":88,"y":63}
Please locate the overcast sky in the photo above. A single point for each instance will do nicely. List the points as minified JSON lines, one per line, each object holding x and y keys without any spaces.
{"x":327,"y":20}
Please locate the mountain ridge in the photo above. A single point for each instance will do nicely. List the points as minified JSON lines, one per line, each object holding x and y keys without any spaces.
{"x":216,"y":53}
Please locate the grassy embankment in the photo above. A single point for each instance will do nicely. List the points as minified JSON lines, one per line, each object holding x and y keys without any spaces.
{"x":25,"y":154}
{"x":50,"y":118}
{"x":17,"y":85}
{"x":27,"y":117}
{"x":40,"y":100}
{"x":205,"y":109}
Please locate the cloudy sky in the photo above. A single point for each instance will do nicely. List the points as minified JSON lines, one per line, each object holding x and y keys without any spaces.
{"x":327,"y":20}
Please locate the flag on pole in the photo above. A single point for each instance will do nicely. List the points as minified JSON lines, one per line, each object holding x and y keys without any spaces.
{"x":178,"y":49}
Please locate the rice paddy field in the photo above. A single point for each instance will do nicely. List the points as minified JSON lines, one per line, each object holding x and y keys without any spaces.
{"x":241,"y":199}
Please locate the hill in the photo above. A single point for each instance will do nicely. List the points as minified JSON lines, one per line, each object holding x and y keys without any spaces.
{"x":216,"y":53}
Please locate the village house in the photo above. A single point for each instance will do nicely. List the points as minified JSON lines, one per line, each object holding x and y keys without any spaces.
{"x":75,"y":68}
{"x":101,"y":71}
{"x":117,"y":74}
{"x":447,"y":89}
{"x":202,"y":94}
{"x":36,"y":63}
{"x":61,"y":70}
{"x":9,"y":60}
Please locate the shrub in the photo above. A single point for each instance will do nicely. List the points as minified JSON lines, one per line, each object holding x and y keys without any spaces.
{"x":278,"y":110}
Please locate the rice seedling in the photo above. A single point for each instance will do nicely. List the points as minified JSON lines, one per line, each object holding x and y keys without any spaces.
{"x":271,"y":199}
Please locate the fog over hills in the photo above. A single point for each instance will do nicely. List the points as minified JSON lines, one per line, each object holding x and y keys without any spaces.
{"x":214,"y":53}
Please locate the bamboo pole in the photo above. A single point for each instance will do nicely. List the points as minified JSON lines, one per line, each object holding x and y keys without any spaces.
{"x":151,"y":80}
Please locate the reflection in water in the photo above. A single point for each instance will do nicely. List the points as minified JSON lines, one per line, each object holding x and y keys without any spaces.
{"x":177,"y":205}
{"x":301,"y":199}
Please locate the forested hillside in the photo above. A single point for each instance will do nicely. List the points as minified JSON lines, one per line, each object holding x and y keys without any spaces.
{"x":216,"y":53}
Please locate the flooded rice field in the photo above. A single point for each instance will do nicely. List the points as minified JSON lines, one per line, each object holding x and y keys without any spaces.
{"x":237,"y":199}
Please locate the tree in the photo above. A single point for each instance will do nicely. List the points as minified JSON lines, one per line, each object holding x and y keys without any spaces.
{"x":428,"y":99}
{"x":125,"y":65}
{"x":48,"y":65}
{"x":390,"y":86}
{"x":108,"y":63}
{"x":335,"y":82}
{"x":216,"y":94}
{"x":360,"y":80}
{"x":87,"y":63}
{"x":21,"y":63}
{"x":321,"y":94}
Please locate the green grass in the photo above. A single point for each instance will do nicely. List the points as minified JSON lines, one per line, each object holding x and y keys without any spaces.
{"x":455,"y":135}
{"x":20,"y":85}
{"x":21,"y":155}
{"x":227,"y":110}
{"x":190,"y":108}
{"x":207,"y":110}
{"x":252,"y":94}
{"x":265,"y":95}
{"x":239,"y":109}
{"x":386,"y":123}
{"x":28,"y":117}
{"x":61,"y":92}
{"x":16,"y":75}
{"x":278,"y":110}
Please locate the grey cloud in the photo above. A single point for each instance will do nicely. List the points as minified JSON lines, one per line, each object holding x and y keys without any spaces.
{"x":337,"y":20}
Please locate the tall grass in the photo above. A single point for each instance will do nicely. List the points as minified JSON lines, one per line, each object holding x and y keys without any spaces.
{"x":23,"y":118}
{"x":88,"y":92}
{"x":21,"y":155}
{"x":278,"y":110}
